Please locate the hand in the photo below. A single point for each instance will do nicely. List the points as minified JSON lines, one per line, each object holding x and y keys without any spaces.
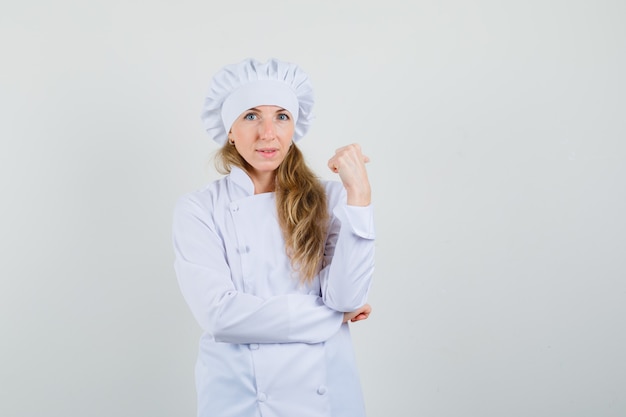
{"x":359,"y":314}
{"x":349,"y":162}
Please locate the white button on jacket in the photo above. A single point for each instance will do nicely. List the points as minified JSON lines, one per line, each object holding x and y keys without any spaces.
{"x":271,"y":346}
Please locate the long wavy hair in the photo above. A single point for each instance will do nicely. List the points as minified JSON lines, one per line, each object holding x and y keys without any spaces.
{"x":301,"y":207}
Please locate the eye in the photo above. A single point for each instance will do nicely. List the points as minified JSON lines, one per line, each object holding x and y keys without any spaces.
{"x":283,"y":116}
{"x":250,"y":116}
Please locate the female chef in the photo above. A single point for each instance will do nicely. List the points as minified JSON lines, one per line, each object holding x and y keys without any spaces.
{"x":273,"y":262}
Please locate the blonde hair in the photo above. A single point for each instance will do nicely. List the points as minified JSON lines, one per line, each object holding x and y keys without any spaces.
{"x":301,"y":207}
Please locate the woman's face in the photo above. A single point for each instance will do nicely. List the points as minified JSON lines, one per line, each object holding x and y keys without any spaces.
{"x":262,"y":136}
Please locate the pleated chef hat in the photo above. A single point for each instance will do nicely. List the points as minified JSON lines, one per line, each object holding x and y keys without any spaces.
{"x":238,"y":87}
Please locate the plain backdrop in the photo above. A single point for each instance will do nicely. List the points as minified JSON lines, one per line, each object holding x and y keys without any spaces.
{"x":496,"y":132}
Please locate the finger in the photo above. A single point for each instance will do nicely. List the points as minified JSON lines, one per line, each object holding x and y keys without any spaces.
{"x":366,"y":159}
{"x":360,"y":317}
{"x":350,"y":147}
{"x":332,"y":165}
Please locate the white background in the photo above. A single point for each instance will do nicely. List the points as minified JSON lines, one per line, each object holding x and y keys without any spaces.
{"x":497,"y":136}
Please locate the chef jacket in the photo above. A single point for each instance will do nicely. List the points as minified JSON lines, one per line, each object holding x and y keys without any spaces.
{"x":271,"y":345}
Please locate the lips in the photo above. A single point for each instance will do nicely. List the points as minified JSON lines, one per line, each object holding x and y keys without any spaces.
{"x":267,"y":152}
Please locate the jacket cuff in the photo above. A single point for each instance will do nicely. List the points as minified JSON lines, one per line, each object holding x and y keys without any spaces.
{"x":359,"y":219}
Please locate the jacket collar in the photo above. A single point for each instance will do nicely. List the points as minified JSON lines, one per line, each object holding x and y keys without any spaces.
{"x":239,"y":177}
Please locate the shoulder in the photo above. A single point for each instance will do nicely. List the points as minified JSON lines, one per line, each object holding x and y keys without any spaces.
{"x":202,"y":200}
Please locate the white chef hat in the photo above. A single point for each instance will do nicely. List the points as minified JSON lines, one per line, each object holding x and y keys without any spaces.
{"x":238,"y":87}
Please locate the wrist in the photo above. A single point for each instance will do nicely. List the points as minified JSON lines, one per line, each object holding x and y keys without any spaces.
{"x":360,"y":198}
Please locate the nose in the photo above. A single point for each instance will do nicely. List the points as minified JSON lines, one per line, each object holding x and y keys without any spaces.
{"x":267,"y":130}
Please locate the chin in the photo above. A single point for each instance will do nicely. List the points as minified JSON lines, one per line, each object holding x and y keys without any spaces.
{"x":265,"y":167}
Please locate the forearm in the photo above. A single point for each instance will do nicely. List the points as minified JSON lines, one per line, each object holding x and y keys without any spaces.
{"x":347,"y":276}
{"x":224,"y":310}
{"x":236,"y":317}
{"x":242,"y":318}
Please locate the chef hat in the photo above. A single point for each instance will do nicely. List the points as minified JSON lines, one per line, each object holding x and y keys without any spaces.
{"x":238,"y":87}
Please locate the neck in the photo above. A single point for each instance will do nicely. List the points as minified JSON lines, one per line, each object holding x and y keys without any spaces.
{"x":263,"y":182}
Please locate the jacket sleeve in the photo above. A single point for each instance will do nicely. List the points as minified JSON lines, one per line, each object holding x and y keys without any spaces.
{"x":348,"y":266}
{"x":231,"y":316}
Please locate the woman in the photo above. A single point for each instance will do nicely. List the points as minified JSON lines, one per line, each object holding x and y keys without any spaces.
{"x":273,"y":262}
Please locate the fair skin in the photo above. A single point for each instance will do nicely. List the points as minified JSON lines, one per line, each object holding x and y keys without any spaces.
{"x":360,"y":314}
{"x":262,"y":135}
{"x":349,"y":162}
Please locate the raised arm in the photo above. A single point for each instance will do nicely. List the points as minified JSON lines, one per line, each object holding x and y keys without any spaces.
{"x":349,"y":253}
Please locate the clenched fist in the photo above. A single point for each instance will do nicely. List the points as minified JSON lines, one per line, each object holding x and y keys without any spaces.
{"x":349,"y":162}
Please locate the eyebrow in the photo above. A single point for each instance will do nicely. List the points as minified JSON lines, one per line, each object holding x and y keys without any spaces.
{"x":280,"y":109}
